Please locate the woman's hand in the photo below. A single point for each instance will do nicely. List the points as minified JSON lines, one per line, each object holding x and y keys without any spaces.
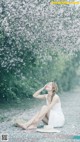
{"x":45,"y":86}
{"x":37,"y":93}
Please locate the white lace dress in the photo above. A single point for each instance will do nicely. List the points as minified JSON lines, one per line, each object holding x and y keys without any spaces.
{"x":56,"y":116}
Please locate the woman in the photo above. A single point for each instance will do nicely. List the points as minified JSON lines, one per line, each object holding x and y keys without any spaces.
{"x":51,"y":113}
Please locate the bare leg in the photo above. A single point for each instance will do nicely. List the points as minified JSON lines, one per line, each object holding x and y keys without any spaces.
{"x":34,"y":121}
{"x":34,"y":125}
{"x":24,"y":126}
{"x":40,"y":116}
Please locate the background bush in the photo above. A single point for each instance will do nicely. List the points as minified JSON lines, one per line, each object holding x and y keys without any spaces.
{"x":38,"y":43}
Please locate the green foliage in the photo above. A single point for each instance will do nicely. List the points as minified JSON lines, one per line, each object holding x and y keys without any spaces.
{"x":20,"y":81}
{"x":34,"y":51}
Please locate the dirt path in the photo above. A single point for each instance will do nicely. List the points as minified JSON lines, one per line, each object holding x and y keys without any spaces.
{"x":69,"y":133}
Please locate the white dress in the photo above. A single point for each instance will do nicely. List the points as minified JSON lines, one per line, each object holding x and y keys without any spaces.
{"x":56,"y":116}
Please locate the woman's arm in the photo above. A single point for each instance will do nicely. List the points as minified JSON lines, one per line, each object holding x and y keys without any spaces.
{"x":37,"y":94}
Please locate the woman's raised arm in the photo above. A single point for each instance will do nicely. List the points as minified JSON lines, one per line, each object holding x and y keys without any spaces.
{"x":37,"y":94}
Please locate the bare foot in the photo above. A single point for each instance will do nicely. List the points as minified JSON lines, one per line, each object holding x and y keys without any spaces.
{"x":32,"y":127}
{"x":23,"y":126}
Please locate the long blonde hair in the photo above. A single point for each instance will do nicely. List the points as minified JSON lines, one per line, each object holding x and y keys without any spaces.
{"x":54,"y":89}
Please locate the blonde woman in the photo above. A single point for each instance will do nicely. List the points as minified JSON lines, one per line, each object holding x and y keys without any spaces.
{"x":51,"y":113}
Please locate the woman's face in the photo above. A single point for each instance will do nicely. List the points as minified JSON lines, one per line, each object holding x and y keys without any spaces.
{"x":48,"y":87}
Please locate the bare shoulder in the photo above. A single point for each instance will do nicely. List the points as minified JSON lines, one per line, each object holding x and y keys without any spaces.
{"x":56,"y":98}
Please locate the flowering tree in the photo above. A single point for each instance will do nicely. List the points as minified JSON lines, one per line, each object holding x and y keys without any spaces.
{"x":31,"y":34}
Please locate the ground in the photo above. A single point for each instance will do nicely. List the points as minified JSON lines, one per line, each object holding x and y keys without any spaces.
{"x":69,"y":133}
